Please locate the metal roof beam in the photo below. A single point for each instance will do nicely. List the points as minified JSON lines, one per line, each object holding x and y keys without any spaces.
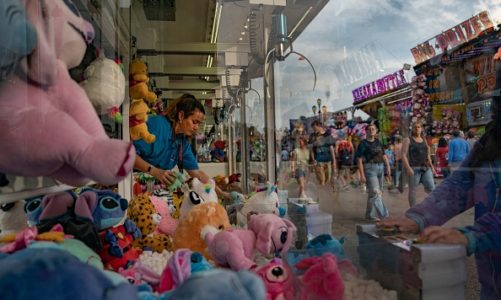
{"x":194,"y":49}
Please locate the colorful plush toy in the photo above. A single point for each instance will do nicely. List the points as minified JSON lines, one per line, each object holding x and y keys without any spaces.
{"x":167,"y":223}
{"x":278,"y":280}
{"x":138,"y":82}
{"x":188,"y":230}
{"x":55,"y":274}
{"x":320,"y":278}
{"x":138,"y":115}
{"x":105,"y":86}
{"x":143,"y":212}
{"x":180,"y":267}
{"x":46,"y":208}
{"x":118,"y":249}
{"x":12,"y":217}
{"x":264,"y":201}
{"x":235,"y":248}
{"x":155,"y":261}
{"x":178,"y":182}
{"x":18,"y":39}
{"x":49,"y":127}
{"x":199,"y":193}
{"x":221,"y":284}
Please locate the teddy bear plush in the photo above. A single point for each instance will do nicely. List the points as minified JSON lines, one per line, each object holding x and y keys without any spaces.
{"x":138,"y":82}
{"x":18,"y":38}
{"x":188,"y":230}
{"x":142,"y":211}
{"x":49,"y":127}
{"x":104,"y":84}
{"x":138,"y":115}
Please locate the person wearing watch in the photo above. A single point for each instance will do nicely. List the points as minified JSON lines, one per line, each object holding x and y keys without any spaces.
{"x":172,"y":146}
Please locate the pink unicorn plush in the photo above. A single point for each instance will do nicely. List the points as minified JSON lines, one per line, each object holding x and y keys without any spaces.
{"x":235,"y":248}
{"x":49,"y":127}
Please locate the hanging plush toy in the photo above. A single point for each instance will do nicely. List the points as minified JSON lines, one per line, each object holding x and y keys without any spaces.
{"x":105,"y":86}
{"x":138,"y":82}
{"x":138,"y":115}
{"x":49,"y":127}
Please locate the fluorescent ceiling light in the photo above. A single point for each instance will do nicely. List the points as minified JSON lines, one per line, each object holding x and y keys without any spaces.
{"x":215,"y":23}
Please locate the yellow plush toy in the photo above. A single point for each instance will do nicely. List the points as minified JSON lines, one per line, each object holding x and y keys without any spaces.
{"x":189,"y":229}
{"x":138,"y":82}
{"x":144,"y":214}
{"x":138,"y":115}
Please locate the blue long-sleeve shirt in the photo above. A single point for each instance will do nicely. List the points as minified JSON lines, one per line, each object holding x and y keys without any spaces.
{"x":458,"y":149}
{"x":466,"y":188}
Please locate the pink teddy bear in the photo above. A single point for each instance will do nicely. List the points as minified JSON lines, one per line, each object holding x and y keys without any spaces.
{"x":235,"y":248}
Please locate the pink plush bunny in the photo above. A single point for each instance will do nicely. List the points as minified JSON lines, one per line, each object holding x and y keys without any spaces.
{"x":235,"y":248}
{"x":49,"y":127}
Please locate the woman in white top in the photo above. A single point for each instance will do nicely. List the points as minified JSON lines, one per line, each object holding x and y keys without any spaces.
{"x":299,"y":164}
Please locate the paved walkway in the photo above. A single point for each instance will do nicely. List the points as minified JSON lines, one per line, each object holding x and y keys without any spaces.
{"x":348,"y":208}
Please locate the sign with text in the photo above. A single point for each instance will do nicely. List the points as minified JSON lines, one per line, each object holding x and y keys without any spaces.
{"x":381,"y":86}
{"x":453,"y":37}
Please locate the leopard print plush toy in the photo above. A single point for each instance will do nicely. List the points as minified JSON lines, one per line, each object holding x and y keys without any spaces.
{"x":143,"y":213}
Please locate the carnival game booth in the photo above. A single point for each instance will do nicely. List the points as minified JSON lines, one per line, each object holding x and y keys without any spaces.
{"x":460,"y":74}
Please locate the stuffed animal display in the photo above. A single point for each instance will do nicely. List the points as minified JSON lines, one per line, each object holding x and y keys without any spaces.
{"x":49,"y":127}
{"x":235,"y":248}
{"x":197,"y":194}
{"x":138,"y":115}
{"x":138,"y":82}
{"x":189,"y":229}
{"x":104,"y":84}
{"x":143,"y":213}
{"x":278,"y":280}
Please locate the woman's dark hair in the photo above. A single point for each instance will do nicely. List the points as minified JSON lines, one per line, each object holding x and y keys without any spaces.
{"x":187,"y":104}
{"x":442,"y":142}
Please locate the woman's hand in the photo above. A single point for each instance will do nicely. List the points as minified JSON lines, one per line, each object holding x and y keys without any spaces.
{"x":410,"y":172}
{"x":402,"y":224}
{"x":362,"y":178}
{"x":388,"y":171}
{"x":166,"y":177}
{"x":441,"y":235}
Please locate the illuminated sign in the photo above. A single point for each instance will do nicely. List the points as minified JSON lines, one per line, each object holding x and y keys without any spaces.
{"x":453,"y":37}
{"x":378,"y":87}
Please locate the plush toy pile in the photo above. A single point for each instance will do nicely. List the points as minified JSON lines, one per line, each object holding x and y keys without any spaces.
{"x":420,"y":101}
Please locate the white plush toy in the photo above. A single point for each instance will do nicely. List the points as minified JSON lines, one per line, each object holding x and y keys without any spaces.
{"x":104,"y":84}
{"x":199,"y":193}
{"x":264,"y":201}
{"x":12,"y":218}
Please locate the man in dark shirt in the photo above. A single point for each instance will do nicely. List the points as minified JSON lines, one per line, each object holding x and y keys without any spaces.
{"x":323,"y":153}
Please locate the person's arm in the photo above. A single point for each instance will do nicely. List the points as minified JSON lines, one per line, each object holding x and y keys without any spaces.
{"x":334,"y":162}
{"x":405,"y":158}
{"x":164,"y":176}
{"x":293,"y":160}
{"x":428,"y":158}
{"x":387,"y":164}
{"x":361,"y":169}
{"x":451,"y":153}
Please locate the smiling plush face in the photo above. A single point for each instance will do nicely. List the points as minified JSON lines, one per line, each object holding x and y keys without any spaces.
{"x":199,"y":193}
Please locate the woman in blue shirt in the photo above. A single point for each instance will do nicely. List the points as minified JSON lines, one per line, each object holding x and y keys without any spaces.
{"x":172,"y":146}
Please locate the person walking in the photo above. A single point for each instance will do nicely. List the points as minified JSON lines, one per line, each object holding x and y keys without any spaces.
{"x":417,"y":162}
{"x":371,"y":163}
{"x":397,"y":151}
{"x":299,"y":165}
{"x":441,"y":157}
{"x":458,"y":149}
{"x":324,"y":157}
